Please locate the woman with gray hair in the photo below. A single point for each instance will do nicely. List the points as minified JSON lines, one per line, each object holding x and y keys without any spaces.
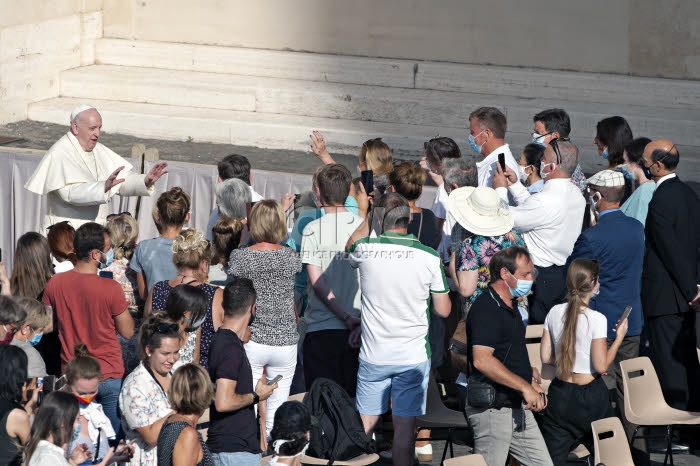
{"x":232,"y":195}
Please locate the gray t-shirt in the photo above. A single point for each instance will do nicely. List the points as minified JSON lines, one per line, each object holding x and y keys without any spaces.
{"x":154,"y":259}
{"x":35,"y":366}
{"x":323,"y":245}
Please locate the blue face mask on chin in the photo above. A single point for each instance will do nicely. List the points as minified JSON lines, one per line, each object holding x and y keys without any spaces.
{"x":628,"y":174}
{"x":36,"y":339}
{"x":472,"y":143}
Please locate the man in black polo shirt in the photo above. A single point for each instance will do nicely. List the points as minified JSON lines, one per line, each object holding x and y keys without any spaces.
{"x":234,"y":435}
{"x":496,"y":349}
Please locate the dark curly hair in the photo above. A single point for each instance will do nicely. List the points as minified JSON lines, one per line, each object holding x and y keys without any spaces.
{"x":292,"y":422}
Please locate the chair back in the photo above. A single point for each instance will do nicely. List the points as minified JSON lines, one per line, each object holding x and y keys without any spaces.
{"x":467,"y":460}
{"x":534,"y":331}
{"x":643,"y":395}
{"x":533,"y":351}
{"x":612,"y":448}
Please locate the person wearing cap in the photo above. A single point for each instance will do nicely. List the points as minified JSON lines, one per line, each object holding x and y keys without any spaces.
{"x":617,"y":243}
{"x":550,"y":221}
{"x":290,"y":434}
{"x":398,"y":279}
{"x":79,"y":175}
{"x":671,"y":277}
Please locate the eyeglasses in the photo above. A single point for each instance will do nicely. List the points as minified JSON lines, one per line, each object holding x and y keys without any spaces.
{"x":555,"y":147}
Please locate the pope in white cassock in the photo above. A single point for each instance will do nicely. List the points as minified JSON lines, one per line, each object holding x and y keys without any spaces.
{"x":79,"y":175}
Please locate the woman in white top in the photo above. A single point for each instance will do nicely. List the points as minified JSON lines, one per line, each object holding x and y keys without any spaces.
{"x":54,"y":428}
{"x":575,"y":340}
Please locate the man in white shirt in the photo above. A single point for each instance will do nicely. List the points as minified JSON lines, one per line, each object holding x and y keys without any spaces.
{"x":550,"y":221}
{"x":79,"y":175}
{"x":398,"y":277}
{"x":487,"y":132}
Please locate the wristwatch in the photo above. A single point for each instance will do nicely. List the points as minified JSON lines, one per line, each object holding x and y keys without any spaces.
{"x":256,"y":398}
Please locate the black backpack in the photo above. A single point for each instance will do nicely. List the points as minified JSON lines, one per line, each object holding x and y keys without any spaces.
{"x":336,"y":428}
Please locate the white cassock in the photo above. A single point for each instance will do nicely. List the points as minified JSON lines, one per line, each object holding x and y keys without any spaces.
{"x":73,"y":181}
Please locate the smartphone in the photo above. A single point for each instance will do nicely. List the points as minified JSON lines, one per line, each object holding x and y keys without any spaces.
{"x":0,"y":254}
{"x":106,"y":274}
{"x":275,"y":380}
{"x":502,"y":161}
{"x":625,"y":314}
{"x":60,"y":383}
{"x":544,"y":398}
{"x":367,"y":179}
{"x":248,"y":208}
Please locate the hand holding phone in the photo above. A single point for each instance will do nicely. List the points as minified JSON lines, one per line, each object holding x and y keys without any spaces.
{"x":502,"y":161}
{"x":626,"y":314}
{"x":275,"y":380}
{"x":367,"y":179}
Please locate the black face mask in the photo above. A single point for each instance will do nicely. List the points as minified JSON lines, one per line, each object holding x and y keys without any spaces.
{"x":647,"y":171}
{"x":252,"y":319}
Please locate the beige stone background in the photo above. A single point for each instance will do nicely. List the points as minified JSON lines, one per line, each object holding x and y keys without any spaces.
{"x":41,"y":38}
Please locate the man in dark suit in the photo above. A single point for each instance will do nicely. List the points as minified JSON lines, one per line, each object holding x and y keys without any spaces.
{"x":617,"y":242}
{"x":671,"y":276}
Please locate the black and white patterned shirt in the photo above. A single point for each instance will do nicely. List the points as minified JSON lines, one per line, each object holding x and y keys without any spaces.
{"x":272,"y":273}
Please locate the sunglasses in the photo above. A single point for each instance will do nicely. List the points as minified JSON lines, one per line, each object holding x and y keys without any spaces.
{"x":168,"y":328}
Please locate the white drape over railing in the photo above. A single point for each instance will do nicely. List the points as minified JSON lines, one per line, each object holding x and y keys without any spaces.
{"x":22,"y":211}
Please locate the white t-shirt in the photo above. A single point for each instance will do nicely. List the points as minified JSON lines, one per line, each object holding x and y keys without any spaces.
{"x":397,"y":275}
{"x":440,"y":211}
{"x":323,"y":245}
{"x":591,"y":325}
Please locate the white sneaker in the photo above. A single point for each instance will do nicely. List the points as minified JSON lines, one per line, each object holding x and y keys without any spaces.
{"x":425,"y":453}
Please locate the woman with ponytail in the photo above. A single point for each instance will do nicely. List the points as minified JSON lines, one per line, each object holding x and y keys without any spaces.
{"x":575,"y":340}
{"x":290,"y":434}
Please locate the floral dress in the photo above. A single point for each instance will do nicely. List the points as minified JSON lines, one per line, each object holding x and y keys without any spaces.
{"x":142,"y":402}
{"x":126,"y":278}
{"x":475,"y":253}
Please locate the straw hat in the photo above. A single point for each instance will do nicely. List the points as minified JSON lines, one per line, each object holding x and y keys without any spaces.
{"x":481,"y":211}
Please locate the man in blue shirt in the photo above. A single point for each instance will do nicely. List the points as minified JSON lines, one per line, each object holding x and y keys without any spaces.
{"x":617,"y":242}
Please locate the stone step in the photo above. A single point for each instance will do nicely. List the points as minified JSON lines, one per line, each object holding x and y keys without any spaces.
{"x":418,"y":107}
{"x":480,"y":79}
{"x":288,"y":131}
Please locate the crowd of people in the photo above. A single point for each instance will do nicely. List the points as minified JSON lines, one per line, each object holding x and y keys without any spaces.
{"x":114,"y":345}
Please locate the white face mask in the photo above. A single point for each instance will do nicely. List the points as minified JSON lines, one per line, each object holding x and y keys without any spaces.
{"x":521,"y":173}
{"x":542,"y":167}
{"x":278,"y":443}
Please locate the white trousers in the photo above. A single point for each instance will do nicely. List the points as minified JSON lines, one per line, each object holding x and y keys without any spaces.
{"x":277,"y":360}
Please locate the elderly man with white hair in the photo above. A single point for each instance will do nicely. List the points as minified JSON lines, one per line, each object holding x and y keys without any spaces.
{"x":79,"y":175}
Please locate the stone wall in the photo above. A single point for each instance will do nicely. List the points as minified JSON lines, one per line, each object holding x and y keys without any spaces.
{"x":38,"y":40}
{"x":635,"y":37}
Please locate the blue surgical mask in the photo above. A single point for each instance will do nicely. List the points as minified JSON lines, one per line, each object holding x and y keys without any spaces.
{"x":36,"y":339}
{"x":109,"y":258}
{"x":76,"y":431}
{"x":476,"y":148}
{"x":539,"y":139}
{"x":522,"y":288}
{"x":605,"y":153}
{"x":628,"y":174}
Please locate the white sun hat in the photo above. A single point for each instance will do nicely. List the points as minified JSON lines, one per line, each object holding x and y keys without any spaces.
{"x":481,"y":211}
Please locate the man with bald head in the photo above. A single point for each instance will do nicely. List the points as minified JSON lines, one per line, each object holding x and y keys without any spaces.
{"x":671,"y":277}
{"x":550,"y":221}
{"x":79,"y":175}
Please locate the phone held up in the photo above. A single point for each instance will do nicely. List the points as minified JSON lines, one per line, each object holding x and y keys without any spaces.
{"x":502,"y":161}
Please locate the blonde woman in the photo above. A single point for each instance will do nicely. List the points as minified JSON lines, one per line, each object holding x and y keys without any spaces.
{"x":272,"y":268}
{"x":123,"y":232}
{"x":192,"y":254}
{"x":575,"y":340}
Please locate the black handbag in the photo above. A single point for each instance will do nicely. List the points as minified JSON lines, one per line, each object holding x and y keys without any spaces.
{"x":480,"y":390}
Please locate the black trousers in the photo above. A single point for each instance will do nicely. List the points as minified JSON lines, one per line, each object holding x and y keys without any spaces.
{"x":567,"y":419}
{"x":548,"y":290}
{"x":672,"y":350}
{"x":327,"y":354}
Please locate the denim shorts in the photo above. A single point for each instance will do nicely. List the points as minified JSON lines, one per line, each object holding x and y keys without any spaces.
{"x":407,"y":386}
{"x":239,"y":458}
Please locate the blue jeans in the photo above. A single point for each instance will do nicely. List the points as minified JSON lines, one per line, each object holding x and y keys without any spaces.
{"x":239,"y":458}
{"x":108,"y":397}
